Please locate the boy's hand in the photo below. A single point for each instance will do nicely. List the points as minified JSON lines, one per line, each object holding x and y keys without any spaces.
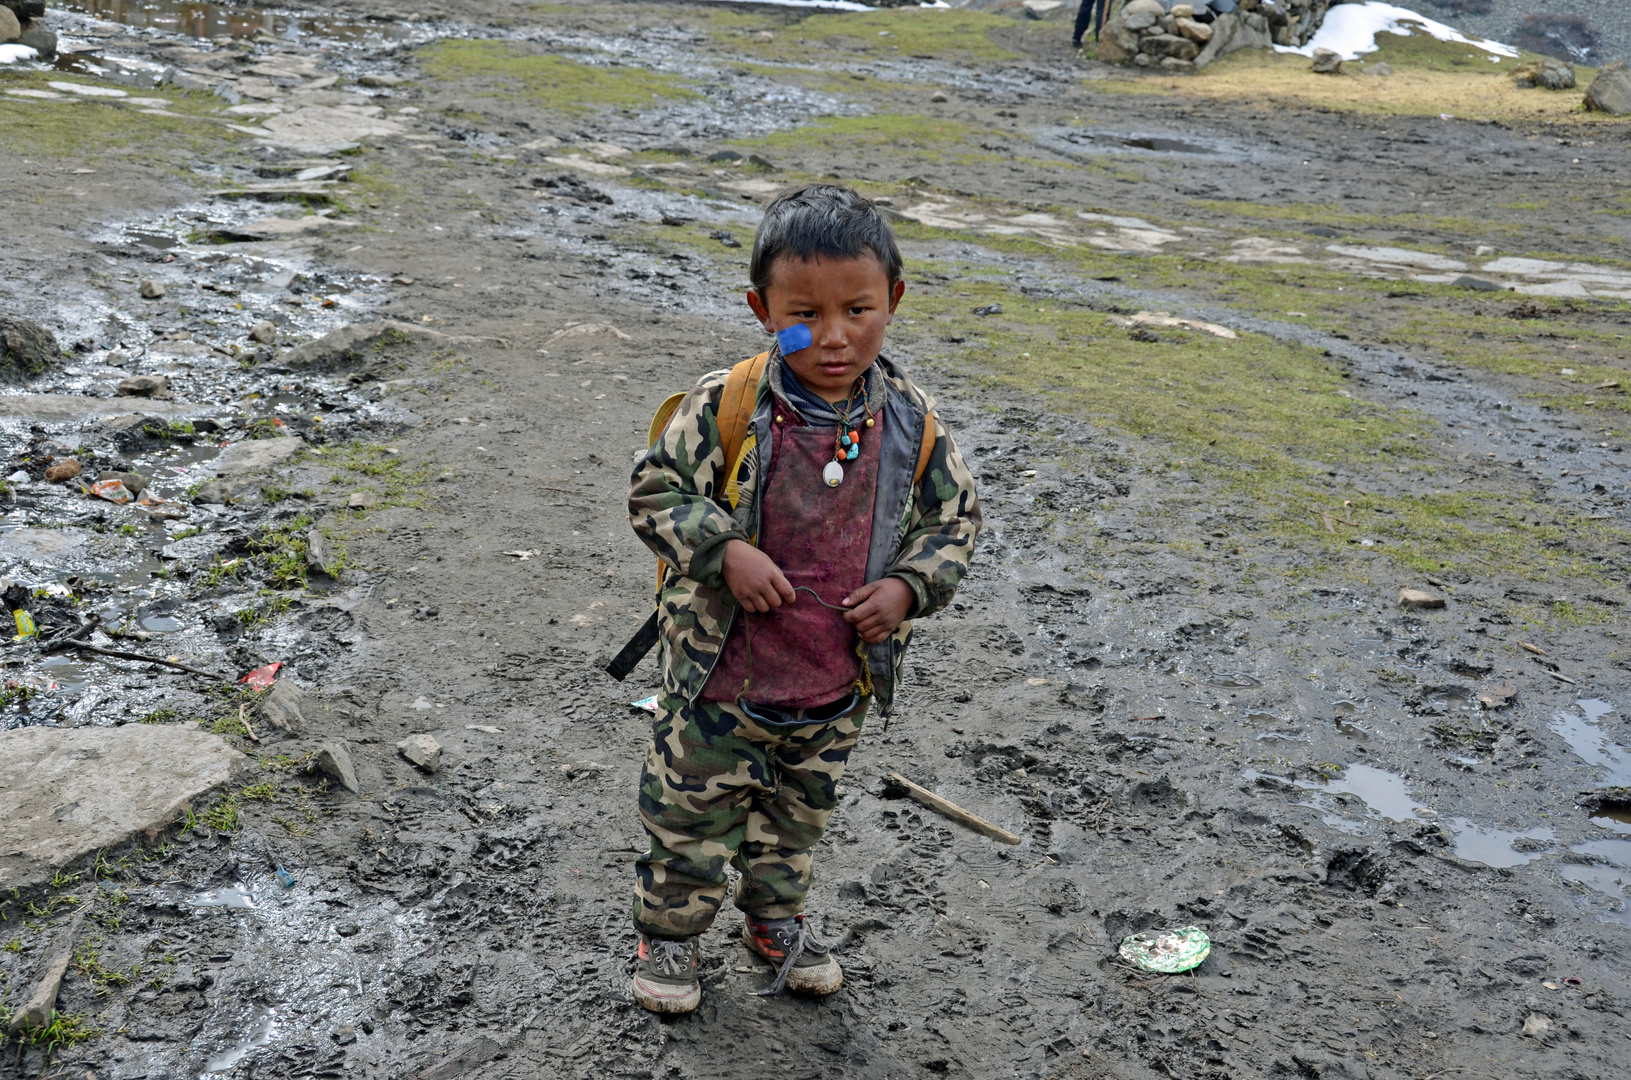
{"x":878,"y":607}
{"x":754,"y":578}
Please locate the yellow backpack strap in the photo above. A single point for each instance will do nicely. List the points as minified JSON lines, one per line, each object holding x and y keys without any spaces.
{"x":926,"y":449}
{"x":736,"y":404}
{"x":665,"y":413}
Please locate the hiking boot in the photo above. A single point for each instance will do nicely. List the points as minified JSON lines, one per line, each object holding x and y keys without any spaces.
{"x":665,"y":977}
{"x":805,"y":965}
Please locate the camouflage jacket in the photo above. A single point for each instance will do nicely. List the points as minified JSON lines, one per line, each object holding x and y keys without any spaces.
{"x":923,"y":534}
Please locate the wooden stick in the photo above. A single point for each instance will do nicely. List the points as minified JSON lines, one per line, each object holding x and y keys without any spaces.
{"x":120,"y":654}
{"x":244,"y":720}
{"x":952,"y":810}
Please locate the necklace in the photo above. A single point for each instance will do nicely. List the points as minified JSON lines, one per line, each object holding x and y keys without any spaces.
{"x":847,"y":443}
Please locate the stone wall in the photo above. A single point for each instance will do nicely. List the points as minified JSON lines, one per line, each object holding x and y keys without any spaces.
{"x":1174,"y":36}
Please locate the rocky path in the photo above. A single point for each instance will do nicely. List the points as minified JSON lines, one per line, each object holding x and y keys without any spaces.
{"x":1214,"y":443}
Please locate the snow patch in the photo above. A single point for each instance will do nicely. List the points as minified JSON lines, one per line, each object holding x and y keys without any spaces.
{"x":1351,"y":29}
{"x":10,"y":54}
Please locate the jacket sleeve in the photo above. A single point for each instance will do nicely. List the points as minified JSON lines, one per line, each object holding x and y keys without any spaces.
{"x":940,"y":527}
{"x":673,"y":489}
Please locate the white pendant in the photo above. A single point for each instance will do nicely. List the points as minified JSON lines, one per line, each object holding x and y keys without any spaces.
{"x":833,"y":474}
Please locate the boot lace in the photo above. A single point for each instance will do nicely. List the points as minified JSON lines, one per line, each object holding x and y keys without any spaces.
{"x":795,"y":938}
{"x":670,"y":959}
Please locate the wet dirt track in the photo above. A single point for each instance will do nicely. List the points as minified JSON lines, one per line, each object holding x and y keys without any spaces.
{"x":1138,"y":678}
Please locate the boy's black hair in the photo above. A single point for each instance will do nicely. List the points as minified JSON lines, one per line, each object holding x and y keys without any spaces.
{"x":822,"y":221}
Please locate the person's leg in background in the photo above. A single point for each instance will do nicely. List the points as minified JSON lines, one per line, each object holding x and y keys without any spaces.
{"x":1100,"y":14}
{"x":1084,"y":15}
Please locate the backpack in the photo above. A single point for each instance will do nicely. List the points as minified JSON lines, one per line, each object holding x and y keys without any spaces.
{"x":734,"y":418}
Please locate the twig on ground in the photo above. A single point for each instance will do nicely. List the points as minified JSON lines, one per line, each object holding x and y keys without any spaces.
{"x":952,"y":810}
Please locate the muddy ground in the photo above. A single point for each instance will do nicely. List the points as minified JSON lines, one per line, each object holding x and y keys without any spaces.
{"x":1179,"y":669}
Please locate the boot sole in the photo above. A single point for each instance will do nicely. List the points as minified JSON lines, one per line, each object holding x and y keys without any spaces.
{"x":809,"y":981}
{"x":665,"y":1001}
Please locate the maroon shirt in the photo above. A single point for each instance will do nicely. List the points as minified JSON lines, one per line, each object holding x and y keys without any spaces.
{"x":802,"y":655}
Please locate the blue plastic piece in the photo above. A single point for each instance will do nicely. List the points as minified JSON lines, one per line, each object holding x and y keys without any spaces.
{"x":794,"y":338}
{"x":285,"y":878}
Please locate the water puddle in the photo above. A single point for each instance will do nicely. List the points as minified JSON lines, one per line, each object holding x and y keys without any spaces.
{"x":1163,"y":145}
{"x":236,"y":897}
{"x":1590,"y":744}
{"x":261,"y":1032}
{"x":162,"y":624}
{"x":1617,"y":852}
{"x":1616,"y":818}
{"x":67,"y":674}
{"x":1382,"y":792}
{"x":1353,"y":731}
{"x":1497,"y":847}
{"x":206,"y":21}
{"x":1608,"y":880}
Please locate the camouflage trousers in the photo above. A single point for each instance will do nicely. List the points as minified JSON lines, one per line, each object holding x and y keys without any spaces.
{"x":718,"y":788}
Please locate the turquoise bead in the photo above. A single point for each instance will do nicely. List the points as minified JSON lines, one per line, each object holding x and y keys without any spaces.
{"x":854,"y":452}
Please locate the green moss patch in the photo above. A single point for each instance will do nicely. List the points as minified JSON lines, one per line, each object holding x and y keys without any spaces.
{"x":76,"y":127}
{"x":550,"y":80}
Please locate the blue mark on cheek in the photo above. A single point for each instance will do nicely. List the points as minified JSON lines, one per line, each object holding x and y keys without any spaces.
{"x":794,"y":338}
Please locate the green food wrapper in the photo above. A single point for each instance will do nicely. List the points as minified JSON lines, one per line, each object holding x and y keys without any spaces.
{"x":1167,"y":951}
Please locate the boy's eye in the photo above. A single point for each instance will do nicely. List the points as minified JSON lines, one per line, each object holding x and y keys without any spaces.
{"x":858,"y":311}
{"x":804,"y":314}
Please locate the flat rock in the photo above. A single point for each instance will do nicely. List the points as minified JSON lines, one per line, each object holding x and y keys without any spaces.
{"x":68,"y":408}
{"x":40,"y":544}
{"x":326,"y":129}
{"x":354,"y":345}
{"x":257,"y":454}
{"x":1416,"y":598}
{"x":280,"y":228}
{"x":68,"y":792}
{"x":423,"y":750}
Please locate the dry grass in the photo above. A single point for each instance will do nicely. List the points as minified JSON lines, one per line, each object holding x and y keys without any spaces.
{"x":1429,"y":78}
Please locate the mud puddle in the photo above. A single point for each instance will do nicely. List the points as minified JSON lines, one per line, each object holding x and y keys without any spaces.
{"x":1611,"y":762}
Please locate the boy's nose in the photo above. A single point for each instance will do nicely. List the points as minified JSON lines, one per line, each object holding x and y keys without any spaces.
{"x":832,"y":334}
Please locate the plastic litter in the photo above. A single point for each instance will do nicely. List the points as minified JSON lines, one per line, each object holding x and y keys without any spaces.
{"x":25,"y":625}
{"x":262,"y":677}
{"x":284,"y":878}
{"x":1167,"y":951}
{"x":114,"y":491}
{"x":18,"y":477}
{"x":649,"y":704}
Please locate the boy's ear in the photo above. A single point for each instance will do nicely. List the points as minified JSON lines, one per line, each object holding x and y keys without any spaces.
{"x":761,"y":311}
{"x":896,"y":291}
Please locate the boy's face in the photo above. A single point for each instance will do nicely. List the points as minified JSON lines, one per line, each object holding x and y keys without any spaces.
{"x":846,"y":303}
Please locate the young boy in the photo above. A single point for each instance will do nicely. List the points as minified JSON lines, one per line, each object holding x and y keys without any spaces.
{"x":791,"y":575}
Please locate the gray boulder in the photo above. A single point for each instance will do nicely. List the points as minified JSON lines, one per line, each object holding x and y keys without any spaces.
{"x":1159,"y":45}
{"x":1327,"y":62}
{"x":355,"y":345}
{"x":281,"y":707}
{"x":334,"y":761}
{"x":1610,"y":91}
{"x":10,"y":28}
{"x":1234,"y":31}
{"x":27,"y":349}
{"x":39,"y":39}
